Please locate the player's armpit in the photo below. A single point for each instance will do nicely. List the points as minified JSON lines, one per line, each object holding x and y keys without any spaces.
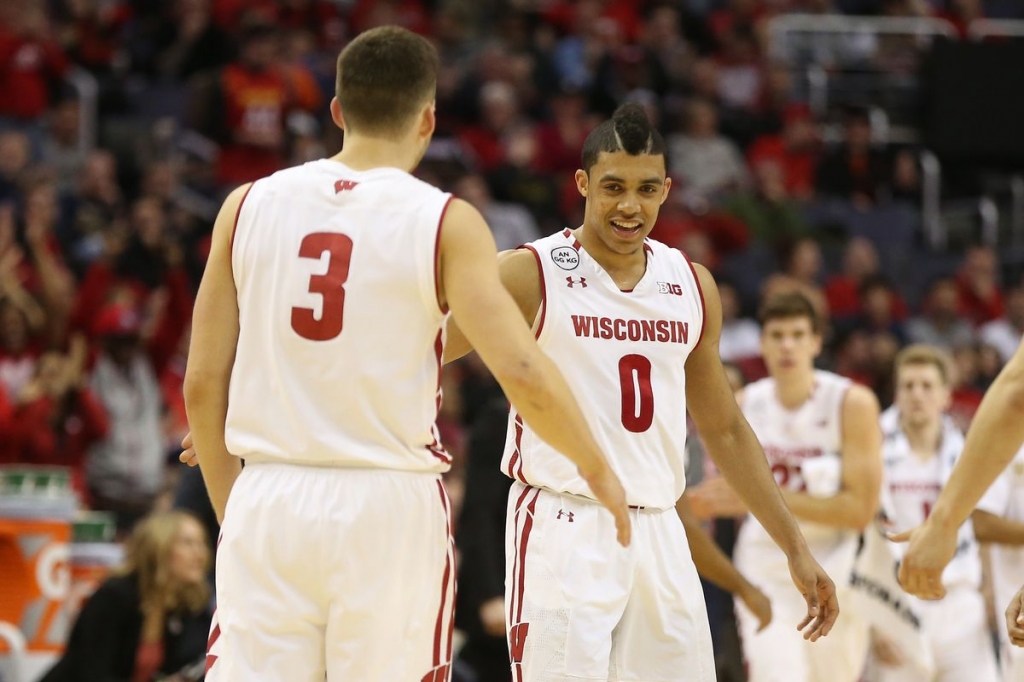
{"x":520,"y":274}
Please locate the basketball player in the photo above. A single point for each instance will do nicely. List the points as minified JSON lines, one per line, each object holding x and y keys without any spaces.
{"x":635,"y":327}
{"x":999,"y":520}
{"x":316,"y":350}
{"x":920,"y":449}
{"x":995,"y":436}
{"x":821,"y":436}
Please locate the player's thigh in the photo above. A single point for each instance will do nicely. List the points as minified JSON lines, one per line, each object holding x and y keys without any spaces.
{"x":391,"y":609}
{"x":271,"y":602}
{"x":775,"y":654}
{"x":961,"y":642}
{"x":841,"y":655}
{"x":664,"y":634}
{"x":566,"y":586}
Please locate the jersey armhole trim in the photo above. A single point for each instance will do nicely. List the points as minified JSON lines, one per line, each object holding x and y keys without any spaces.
{"x":437,"y":257}
{"x":543,"y":309}
{"x":703,"y":303}
{"x":238,"y":214}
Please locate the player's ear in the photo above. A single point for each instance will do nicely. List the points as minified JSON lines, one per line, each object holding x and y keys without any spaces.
{"x":665,"y":188}
{"x":336,"y":115}
{"x":582,"y":182}
{"x":428,"y":120}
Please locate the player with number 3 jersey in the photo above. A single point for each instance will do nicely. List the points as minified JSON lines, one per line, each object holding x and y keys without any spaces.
{"x":316,"y":349}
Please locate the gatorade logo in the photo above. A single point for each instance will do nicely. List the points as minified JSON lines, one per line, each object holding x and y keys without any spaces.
{"x":53,"y":571}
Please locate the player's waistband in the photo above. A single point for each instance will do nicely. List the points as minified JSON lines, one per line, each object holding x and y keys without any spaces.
{"x":583,"y":498}
{"x":269,"y":460}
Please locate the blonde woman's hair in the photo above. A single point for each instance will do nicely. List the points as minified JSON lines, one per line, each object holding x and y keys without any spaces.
{"x":923,"y":354}
{"x":149,"y":553}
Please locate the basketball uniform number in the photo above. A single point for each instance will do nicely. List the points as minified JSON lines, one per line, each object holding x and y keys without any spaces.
{"x":330,"y":286}
{"x":637,"y":395}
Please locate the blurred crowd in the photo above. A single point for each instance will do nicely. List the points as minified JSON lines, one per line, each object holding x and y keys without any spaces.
{"x":124,"y":123}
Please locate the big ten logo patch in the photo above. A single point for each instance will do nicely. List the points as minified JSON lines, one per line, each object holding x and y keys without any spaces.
{"x":36,"y":578}
{"x":565,"y":257}
{"x":670,"y":288}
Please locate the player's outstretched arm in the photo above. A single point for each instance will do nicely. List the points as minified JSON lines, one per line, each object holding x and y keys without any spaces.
{"x":713,"y":565}
{"x":520,"y":275}
{"x":211,"y":357}
{"x":492,"y":322}
{"x":992,"y":441}
{"x":856,"y":503}
{"x":736,"y":451}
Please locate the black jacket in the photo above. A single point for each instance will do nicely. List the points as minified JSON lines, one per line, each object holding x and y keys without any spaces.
{"x":106,"y":636}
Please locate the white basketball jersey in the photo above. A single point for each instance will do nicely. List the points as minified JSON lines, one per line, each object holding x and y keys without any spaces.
{"x":911,"y":487}
{"x":1006,"y":499}
{"x":340,"y":342}
{"x":790,"y":438}
{"x":624,"y":356}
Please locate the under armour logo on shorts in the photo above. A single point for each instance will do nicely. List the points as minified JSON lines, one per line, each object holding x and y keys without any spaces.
{"x":562,"y":512}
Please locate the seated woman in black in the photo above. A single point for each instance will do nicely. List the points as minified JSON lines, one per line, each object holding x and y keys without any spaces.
{"x":150,"y":620}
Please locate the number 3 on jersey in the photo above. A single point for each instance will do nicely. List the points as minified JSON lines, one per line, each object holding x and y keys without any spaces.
{"x":637,"y":394}
{"x":330,"y":286}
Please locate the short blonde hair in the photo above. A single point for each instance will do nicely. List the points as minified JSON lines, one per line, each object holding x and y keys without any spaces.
{"x":923,"y":354}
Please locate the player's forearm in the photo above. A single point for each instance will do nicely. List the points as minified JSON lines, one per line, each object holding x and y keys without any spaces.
{"x":739,"y":456}
{"x":992,"y":528}
{"x":540,"y":394}
{"x":711,"y":562}
{"x":843,"y":510}
{"x":206,"y":406}
{"x":995,"y":436}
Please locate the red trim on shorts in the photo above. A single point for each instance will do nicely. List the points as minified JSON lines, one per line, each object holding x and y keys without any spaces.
{"x":448,"y":578}
{"x":234,"y":228}
{"x":519,"y":578}
{"x":543,"y":310}
{"x":437,"y":257}
{"x":515,"y":557}
{"x":703,"y":303}
{"x":214,"y":636}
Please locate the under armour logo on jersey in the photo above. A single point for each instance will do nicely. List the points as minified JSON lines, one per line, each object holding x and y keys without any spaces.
{"x":562,"y":512}
{"x":669,"y":288}
{"x":342,"y":185}
{"x":572,"y":282}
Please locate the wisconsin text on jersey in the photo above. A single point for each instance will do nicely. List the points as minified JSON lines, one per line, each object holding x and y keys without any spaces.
{"x":661,"y":331}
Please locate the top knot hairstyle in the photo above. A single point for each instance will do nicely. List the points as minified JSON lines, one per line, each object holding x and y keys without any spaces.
{"x":628,"y":130}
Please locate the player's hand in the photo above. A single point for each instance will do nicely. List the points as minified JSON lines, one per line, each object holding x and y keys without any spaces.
{"x":188,"y":453}
{"x":492,"y":616}
{"x":1015,"y":619}
{"x":818,"y":590}
{"x":608,"y":490}
{"x":931,"y":548}
{"x":713,"y":498}
{"x":758,"y":603}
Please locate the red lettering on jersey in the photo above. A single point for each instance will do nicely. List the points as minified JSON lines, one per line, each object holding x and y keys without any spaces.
{"x":648,"y":327}
{"x":663,"y":333}
{"x":606,"y":328}
{"x":517,"y":641}
{"x":633,"y":329}
{"x":343,"y":185}
{"x":620,"y":329}
{"x":583,"y":326}
{"x":684,"y":332}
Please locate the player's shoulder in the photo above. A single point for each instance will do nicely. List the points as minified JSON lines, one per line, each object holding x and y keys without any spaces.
{"x":858,"y":398}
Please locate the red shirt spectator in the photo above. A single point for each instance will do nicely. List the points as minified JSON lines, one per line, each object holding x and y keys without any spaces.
{"x":30,"y":62}
{"x":980,"y":298}
{"x":794,"y":150}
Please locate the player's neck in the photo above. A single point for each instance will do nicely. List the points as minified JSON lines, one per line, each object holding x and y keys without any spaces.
{"x":625,"y":269}
{"x":924,"y":439}
{"x":794,"y":391}
{"x":366,"y":153}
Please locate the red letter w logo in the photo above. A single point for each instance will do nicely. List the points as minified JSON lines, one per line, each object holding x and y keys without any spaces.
{"x":342,"y":185}
{"x":517,"y":641}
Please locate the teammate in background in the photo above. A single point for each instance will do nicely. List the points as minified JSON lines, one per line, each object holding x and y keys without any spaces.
{"x":921,"y":447}
{"x":999,"y":520}
{"x":635,"y":327}
{"x":995,"y":436}
{"x":821,"y":436}
{"x":316,"y":348}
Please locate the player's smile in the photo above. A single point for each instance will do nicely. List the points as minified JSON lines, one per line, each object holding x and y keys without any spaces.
{"x":627,"y":228}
